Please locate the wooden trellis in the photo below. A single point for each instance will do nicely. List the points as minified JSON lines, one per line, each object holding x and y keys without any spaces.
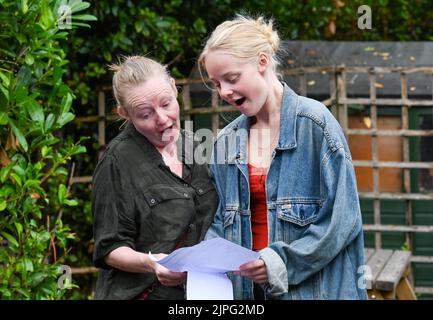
{"x":338,"y":102}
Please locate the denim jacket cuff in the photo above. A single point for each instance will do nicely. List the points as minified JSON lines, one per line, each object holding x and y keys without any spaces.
{"x":277,"y":273}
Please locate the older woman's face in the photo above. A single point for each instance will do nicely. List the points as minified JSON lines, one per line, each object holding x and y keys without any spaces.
{"x":154,"y":111}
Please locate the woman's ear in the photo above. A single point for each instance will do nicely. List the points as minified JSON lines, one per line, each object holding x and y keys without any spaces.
{"x":122,"y":112}
{"x":173,"y":85}
{"x":263,"y":61}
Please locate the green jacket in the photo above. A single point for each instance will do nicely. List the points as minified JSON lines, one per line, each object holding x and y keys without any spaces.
{"x":139,"y":203}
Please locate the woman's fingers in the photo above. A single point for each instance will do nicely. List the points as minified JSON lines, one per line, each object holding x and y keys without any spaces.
{"x":169,"y":278}
{"x":255,"y":270}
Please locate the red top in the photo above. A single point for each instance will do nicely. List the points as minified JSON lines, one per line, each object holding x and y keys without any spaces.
{"x":259,"y":210}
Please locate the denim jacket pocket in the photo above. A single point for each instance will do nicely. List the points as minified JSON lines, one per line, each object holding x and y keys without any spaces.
{"x":229,"y":216}
{"x":230,"y":227}
{"x":299,"y":212}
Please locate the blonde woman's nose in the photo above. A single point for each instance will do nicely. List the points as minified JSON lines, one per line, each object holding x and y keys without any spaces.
{"x":226,"y":91}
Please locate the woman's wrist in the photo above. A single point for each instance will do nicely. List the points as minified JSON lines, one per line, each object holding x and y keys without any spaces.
{"x":148,"y":263}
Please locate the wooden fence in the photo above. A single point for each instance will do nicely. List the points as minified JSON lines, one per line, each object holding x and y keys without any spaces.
{"x":338,"y":102}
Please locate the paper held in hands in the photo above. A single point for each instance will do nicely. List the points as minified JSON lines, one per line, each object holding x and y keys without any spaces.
{"x":206,"y":264}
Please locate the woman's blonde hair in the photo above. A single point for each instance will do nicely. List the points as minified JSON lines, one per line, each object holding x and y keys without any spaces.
{"x":244,"y":37}
{"x":133,"y":71}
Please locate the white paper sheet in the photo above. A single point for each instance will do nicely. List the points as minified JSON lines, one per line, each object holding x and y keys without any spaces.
{"x":208,"y":286}
{"x":206,"y":264}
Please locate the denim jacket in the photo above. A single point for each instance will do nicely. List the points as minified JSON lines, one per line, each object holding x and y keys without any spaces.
{"x":314,"y":220}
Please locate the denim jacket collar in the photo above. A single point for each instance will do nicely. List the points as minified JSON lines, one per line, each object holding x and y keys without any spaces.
{"x":289,"y":106}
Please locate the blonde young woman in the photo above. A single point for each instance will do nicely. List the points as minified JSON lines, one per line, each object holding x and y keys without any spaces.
{"x":287,"y":187}
{"x":149,"y":195}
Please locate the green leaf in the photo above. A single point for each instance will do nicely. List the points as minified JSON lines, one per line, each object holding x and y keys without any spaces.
{"x":79,"y":24}
{"x":3,"y":205}
{"x":27,"y":264}
{"x":31,"y":183}
{"x":19,"y":228}
{"x":4,"y":119}
{"x":66,"y":103}
{"x":17,"y":179}
{"x":36,"y":278}
{"x":19,"y":170}
{"x":4,"y":97}
{"x":139,"y":26}
{"x":65,"y":118}
{"x":4,"y":174}
{"x":44,"y":151}
{"x":57,"y":74}
{"x":61,"y":171}
{"x":62,"y":193}
{"x":78,"y":149}
{"x":21,"y":38}
{"x":37,"y":213}
{"x":24,"y":6}
{"x":29,"y":59}
{"x":49,"y":121}
{"x":6,"y":191}
{"x":71,"y":202}
{"x":18,"y":134}
{"x":5,"y":79}
{"x":35,"y":111}
{"x":77,"y":6}
{"x":9,"y":237}
{"x":22,"y":95}
{"x":46,"y":18}
{"x":85,"y":17}
{"x":24,"y":76}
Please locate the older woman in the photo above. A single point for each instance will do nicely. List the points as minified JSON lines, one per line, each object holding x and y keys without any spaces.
{"x":149,"y":195}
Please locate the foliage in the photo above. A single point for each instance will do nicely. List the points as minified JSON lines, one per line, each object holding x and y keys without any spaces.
{"x":38,"y":85}
{"x":173,"y":31}
{"x":35,"y":104}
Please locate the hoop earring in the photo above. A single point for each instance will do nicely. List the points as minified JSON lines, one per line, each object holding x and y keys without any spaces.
{"x":124,"y":123}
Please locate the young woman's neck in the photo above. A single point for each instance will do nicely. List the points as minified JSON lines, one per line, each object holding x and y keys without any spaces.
{"x":270,"y":112}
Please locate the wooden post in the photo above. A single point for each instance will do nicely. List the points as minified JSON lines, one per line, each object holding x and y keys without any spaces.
{"x":186,"y":101}
{"x":333,"y":84}
{"x":374,"y":152}
{"x":101,"y":122}
{"x":342,"y":107}
{"x":215,"y":112}
{"x":406,"y":156}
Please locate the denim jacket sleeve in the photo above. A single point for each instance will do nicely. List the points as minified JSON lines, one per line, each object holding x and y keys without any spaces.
{"x":338,"y":223}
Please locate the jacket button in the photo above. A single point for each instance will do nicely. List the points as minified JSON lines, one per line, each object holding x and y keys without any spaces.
{"x":191,"y":227}
{"x":185,"y":195}
{"x":152,"y":201}
{"x":185,"y":185}
{"x":200,"y":190}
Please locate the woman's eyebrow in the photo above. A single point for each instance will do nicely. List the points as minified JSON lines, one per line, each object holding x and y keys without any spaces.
{"x":141,"y":105}
{"x":227,"y":74}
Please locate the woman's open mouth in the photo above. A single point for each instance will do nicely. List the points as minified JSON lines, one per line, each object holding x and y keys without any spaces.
{"x":168,"y":128}
{"x":240,"y":101}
